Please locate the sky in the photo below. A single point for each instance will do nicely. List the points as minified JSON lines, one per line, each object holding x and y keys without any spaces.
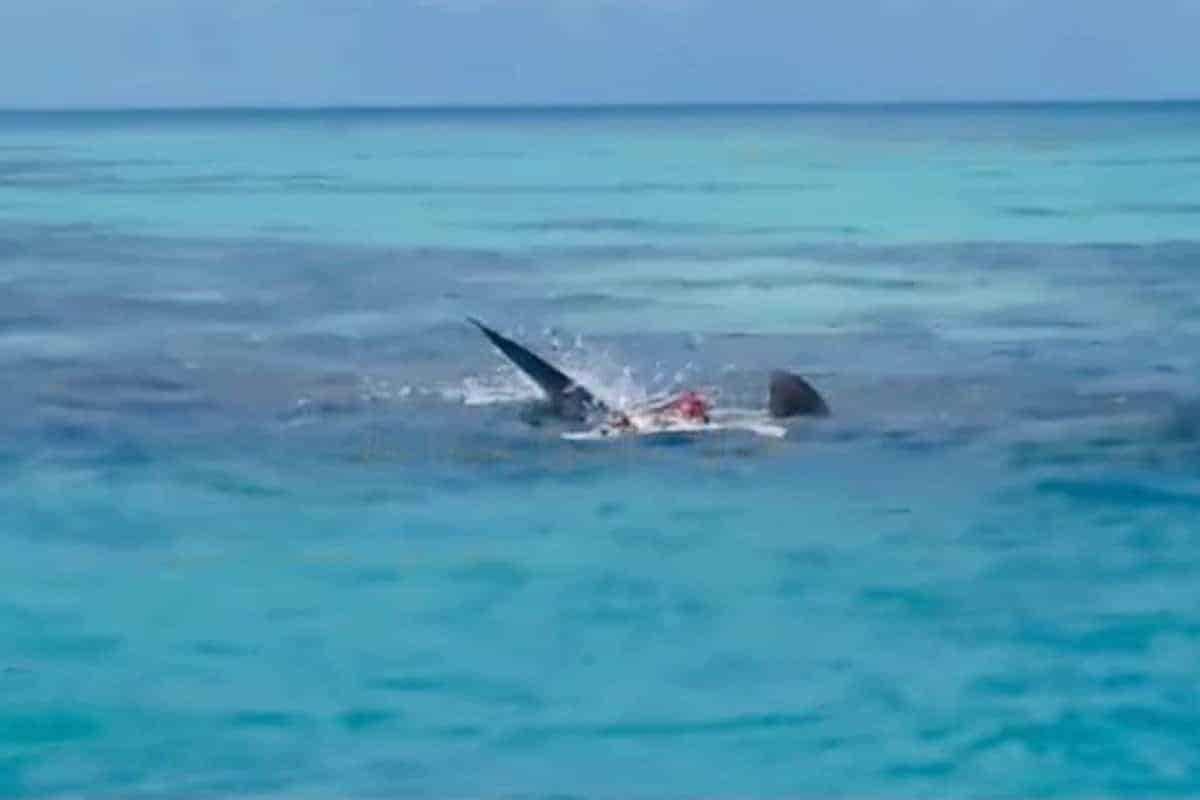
{"x":150,"y":53}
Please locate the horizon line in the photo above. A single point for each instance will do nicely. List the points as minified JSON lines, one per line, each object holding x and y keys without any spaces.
{"x":605,"y":106}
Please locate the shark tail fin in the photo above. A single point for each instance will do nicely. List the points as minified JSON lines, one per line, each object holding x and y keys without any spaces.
{"x":559,"y":387}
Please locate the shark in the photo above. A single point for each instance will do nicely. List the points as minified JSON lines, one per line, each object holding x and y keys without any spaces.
{"x":788,"y":394}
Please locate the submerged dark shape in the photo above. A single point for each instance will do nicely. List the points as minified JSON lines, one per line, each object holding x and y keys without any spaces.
{"x":567,"y":398}
{"x":792,"y":396}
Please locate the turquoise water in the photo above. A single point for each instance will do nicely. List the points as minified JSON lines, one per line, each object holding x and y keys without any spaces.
{"x":274,"y":525}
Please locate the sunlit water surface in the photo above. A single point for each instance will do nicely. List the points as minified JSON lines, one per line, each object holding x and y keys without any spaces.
{"x":274,"y":523}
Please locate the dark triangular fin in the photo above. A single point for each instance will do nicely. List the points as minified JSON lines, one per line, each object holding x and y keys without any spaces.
{"x":560,"y":389}
{"x":792,"y":396}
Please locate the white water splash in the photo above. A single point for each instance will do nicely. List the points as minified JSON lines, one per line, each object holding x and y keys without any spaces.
{"x":606,"y":375}
{"x":615,"y":383}
{"x":501,"y":386}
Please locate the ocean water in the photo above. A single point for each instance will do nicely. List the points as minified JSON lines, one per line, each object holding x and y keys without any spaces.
{"x":275,"y":524}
